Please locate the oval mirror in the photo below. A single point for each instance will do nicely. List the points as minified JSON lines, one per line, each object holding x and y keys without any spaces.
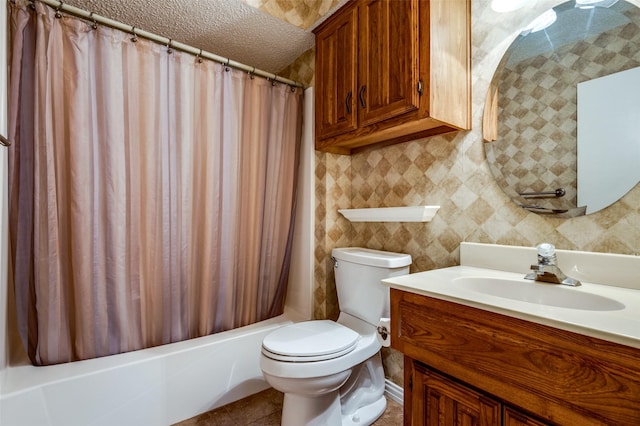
{"x":562,"y":119}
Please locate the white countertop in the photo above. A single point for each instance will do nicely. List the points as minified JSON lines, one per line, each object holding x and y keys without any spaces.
{"x":618,"y":325}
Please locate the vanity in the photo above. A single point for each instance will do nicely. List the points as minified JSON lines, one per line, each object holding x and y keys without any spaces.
{"x":484,"y":346}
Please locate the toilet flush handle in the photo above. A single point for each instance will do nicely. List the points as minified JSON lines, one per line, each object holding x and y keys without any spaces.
{"x":334,"y":261}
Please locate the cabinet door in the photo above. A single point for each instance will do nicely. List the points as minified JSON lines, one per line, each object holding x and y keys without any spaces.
{"x":389,"y":59}
{"x":336,"y":57}
{"x":437,"y":400}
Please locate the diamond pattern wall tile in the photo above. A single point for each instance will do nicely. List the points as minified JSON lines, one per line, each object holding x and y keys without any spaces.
{"x":302,"y":69}
{"x":301,"y":13}
{"x":394,"y":361}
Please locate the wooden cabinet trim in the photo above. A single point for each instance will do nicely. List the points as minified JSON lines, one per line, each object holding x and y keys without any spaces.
{"x":450,"y":61}
{"x":394,"y":134}
{"x":513,"y":417}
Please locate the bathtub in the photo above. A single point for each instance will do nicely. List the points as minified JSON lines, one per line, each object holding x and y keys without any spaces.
{"x":161,"y":385}
{"x":155,"y":386}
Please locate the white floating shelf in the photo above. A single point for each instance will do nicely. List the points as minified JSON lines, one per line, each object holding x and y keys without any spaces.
{"x":391,"y":214}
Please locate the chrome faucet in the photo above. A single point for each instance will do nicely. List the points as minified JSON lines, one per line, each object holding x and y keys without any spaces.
{"x":546,"y":270}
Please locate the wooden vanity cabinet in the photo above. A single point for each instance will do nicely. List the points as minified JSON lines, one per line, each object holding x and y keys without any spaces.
{"x":390,"y":71}
{"x":462,"y":362}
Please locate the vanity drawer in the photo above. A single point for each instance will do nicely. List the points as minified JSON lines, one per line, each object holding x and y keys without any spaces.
{"x":562,"y":377}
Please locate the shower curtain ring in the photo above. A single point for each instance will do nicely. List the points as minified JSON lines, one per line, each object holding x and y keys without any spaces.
{"x":169,"y":49}
{"x":58,"y":15}
{"x":274,"y":80}
{"x":32,"y":4}
{"x":226,"y":66}
{"x":94,"y":25}
{"x":199,"y":57}
{"x":135,"y":36}
{"x":251,"y":76}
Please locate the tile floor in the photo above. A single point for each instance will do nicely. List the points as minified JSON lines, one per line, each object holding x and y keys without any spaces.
{"x":263,"y":409}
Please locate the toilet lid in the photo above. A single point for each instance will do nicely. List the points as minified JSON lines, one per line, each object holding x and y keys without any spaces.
{"x":310,"y":341}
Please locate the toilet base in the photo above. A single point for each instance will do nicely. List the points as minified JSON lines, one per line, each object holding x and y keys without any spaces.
{"x":367,"y":414}
{"x":324,"y":410}
{"x":354,"y":397}
{"x":317,"y":410}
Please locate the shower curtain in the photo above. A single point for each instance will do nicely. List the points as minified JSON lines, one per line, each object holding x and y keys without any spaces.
{"x":152,"y":194}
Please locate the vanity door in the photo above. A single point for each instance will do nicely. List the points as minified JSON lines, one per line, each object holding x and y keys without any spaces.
{"x":438,"y":400}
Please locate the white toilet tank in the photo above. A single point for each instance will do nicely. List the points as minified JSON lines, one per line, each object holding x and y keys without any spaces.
{"x":358,"y":273}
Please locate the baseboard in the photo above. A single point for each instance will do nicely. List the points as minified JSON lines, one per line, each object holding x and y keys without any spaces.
{"x":393,"y":391}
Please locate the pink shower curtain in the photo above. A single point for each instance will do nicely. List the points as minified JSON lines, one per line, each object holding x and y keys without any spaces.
{"x":151,"y":196}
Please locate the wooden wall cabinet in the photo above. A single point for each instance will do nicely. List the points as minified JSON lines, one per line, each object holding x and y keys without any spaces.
{"x":469,"y":366}
{"x":391,"y":71}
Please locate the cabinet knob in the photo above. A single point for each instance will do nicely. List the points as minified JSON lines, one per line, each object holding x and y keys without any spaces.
{"x":361,"y":95}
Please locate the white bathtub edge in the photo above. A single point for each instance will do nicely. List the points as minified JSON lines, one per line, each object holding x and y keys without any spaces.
{"x":156,"y":386}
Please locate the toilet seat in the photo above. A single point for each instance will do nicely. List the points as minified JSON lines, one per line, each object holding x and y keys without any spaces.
{"x":310,"y":341}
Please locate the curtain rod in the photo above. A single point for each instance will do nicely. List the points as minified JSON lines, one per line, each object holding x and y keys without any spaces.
{"x":72,"y":10}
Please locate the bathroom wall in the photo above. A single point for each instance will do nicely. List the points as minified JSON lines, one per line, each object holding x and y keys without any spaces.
{"x":449,"y":171}
{"x":301,"y":13}
{"x":302,"y":69}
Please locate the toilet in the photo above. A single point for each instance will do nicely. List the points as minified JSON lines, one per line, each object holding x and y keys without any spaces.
{"x":331,"y":372}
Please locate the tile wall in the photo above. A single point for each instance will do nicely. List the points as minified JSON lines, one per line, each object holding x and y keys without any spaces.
{"x":450,"y":171}
{"x":301,"y":13}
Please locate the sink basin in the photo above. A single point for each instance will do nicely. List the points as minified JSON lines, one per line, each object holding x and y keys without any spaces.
{"x":491,"y":277}
{"x":539,"y":293}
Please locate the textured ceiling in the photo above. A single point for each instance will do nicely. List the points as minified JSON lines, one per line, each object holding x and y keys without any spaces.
{"x":229,"y":28}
